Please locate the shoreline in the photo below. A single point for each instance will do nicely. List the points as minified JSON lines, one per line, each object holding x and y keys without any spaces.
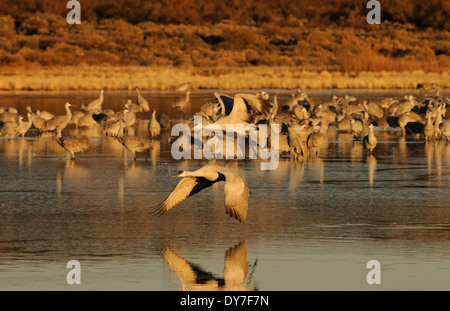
{"x":66,"y":78}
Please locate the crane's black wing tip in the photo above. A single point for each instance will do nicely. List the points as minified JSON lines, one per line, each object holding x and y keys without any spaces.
{"x":236,"y":216}
{"x":158,"y":210}
{"x":162,"y":251}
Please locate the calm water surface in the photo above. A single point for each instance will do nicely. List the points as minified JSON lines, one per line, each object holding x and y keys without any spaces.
{"x":311,"y":225}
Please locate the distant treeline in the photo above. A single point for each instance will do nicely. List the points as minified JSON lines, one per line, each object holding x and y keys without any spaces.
{"x":421,"y":14}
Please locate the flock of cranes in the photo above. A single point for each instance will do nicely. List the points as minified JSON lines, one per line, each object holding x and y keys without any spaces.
{"x":112,"y":124}
{"x":303,"y":126}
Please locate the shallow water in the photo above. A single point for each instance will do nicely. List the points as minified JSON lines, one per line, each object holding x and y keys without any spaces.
{"x":311,"y":225}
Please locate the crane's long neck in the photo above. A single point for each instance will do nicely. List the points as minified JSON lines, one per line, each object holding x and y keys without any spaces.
{"x":29,"y":122}
{"x":139,"y":96}
{"x":428,"y":118}
{"x":68,"y":112}
{"x":32,"y":117}
{"x":120,"y":134}
{"x":439,"y":115}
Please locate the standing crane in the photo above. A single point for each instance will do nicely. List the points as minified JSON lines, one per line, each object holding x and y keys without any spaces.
{"x":60,"y":121}
{"x":94,"y":106}
{"x":134,"y":144}
{"x":154,"y":127}
{"x":141,"y":101}
{"x":72,"y":143}
{"x":370,"y":140}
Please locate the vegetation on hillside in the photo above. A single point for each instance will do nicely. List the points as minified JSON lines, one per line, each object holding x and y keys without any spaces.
{"x":332,"y":36}
{"x":210,"y":41}
{"x":344,"y":13}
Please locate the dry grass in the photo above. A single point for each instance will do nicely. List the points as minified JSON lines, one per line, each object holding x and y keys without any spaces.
{"x":230,"y":78}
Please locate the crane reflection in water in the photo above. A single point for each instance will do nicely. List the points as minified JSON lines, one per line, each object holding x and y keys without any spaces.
{"x":193,"y":277}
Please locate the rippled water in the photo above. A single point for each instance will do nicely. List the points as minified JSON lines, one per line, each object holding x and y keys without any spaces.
{"x":311,"y":225}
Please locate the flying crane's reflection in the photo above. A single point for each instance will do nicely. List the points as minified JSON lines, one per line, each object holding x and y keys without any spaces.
{"x":194,"y":278}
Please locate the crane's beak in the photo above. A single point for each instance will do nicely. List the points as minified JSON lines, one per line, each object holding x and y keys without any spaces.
{"x":180,"y":174}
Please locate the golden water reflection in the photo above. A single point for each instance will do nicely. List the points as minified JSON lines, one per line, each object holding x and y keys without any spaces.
{"x":194,"y":278}
{"x":98,"y":205}
{"x":372,"y":165}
